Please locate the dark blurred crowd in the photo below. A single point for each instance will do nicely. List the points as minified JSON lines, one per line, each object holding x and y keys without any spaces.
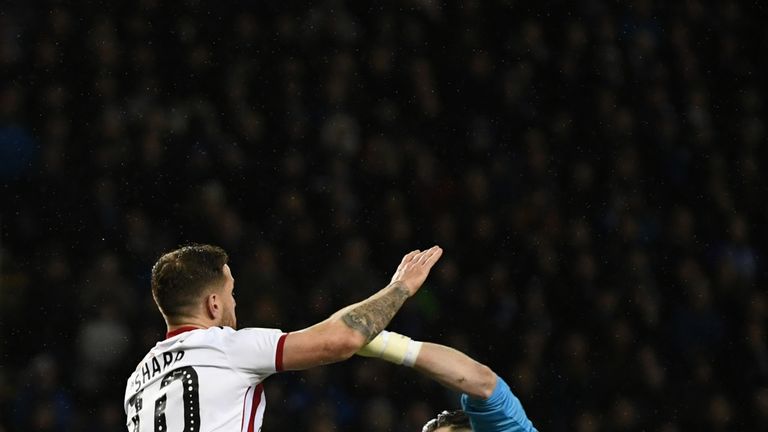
{"x":592,"y":170}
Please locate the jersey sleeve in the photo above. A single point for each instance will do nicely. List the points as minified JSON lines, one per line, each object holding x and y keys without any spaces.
{"x":502,"y":412}
{"x":256,"y":351}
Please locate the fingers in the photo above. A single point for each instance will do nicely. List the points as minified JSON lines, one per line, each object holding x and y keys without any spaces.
{"x":409,"y":256}
{"x":434,"y":256}
{"x":420,"y":258}
{"x":416,"y":266}
{"x":429,"y":256}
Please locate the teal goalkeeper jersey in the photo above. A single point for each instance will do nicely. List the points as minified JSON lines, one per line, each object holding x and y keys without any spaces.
{"x":502,"y":412}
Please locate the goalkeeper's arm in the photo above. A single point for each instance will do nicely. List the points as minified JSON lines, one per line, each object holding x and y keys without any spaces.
{"x":443,"y":364}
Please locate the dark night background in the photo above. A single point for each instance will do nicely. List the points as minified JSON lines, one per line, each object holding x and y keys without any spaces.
{"x":592,"y":169}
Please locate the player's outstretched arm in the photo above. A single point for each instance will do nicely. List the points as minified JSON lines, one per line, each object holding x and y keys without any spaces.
{"x":486,"y":398}
{"x":345,"y":332}
{"x":455,"y":370}
{"x":449,"y":367}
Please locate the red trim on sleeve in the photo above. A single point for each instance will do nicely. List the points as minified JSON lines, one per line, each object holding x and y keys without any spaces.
{"x":242,"y":417}
{"x":179,"y":331}
{"x":279,"y":353}
{"x":255,"y":405}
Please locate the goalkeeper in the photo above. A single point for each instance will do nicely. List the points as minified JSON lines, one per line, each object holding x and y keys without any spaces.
{"x":488,"y":403}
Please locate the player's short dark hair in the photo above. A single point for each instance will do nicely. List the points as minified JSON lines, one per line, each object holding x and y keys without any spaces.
{"x":181,"y":276}
{"x":456,"y":420}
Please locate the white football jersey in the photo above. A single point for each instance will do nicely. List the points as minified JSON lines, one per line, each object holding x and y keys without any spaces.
{"x":204,"y":380}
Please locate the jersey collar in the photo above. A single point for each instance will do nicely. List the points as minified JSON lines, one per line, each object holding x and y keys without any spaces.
{"x":180,"y":330}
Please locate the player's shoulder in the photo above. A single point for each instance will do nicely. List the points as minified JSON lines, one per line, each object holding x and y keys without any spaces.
{"x":201,"y":336}
{"x":214,"y":331}
{"x":194,"y":334}
{"x":216,"y":338}
{"x":224,"y":334}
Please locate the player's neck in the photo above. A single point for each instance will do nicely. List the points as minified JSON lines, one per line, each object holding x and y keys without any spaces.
{"x":180,"y":330}
{"x":188,"y":324}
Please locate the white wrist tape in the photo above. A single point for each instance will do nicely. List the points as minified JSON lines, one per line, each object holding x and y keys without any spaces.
{"x":393,"y":347}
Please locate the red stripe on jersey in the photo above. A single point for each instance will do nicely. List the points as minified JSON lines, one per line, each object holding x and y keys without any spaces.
{"x":255,"y":405}
{"x":279,"y":353}
{"x":179,"y":331}
{"x":242,"y":417}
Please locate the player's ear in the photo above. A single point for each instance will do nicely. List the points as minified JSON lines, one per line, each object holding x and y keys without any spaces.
{"x":212,"y":306}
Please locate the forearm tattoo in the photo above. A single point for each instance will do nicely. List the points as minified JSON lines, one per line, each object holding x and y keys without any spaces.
{"x":372,"y":316}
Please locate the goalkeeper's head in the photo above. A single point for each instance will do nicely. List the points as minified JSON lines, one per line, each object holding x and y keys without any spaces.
{"x":448,"y":421}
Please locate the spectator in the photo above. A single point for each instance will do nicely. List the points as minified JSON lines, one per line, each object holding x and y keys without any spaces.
{"x":593,"y":170}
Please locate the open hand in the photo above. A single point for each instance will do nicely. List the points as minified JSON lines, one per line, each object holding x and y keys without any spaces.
{"x":415,"y":266}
